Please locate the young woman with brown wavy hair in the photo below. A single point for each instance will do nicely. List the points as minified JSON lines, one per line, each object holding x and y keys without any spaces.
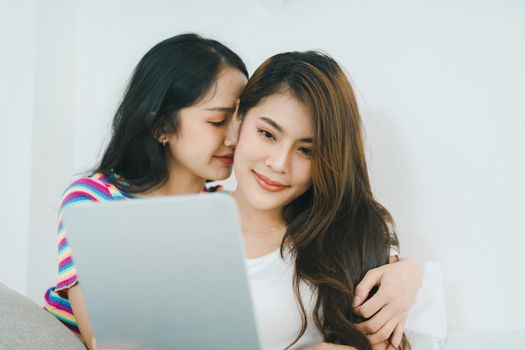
{"x":311,"y":225}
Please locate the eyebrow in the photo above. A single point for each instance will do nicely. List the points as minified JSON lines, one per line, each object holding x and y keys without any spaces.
{"x":279,"y":128}
{"x":221,"y":109}
{"x":273,"y":123}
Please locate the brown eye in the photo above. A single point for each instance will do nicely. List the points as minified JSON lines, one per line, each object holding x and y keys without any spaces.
{"x":266,"y":134}
{"x":307,"y":151}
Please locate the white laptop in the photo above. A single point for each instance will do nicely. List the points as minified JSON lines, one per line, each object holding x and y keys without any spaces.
{"x":165,"y":273}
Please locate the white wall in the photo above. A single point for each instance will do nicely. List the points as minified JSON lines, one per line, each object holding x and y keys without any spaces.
{"x":443,"y":90}
{"x":17,"y":69}
{"x":55,"y":106}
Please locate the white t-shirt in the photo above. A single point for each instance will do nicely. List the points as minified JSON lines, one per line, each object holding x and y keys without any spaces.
{"x":278,"y":317}
{"x":276,"y":311}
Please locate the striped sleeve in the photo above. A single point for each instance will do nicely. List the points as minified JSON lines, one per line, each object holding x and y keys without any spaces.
{"x":90,"y":189}
{"x":60,"y":307}
{"x":82,"y":190}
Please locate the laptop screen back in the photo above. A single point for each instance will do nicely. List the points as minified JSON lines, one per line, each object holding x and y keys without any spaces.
{"x":165,"y":273}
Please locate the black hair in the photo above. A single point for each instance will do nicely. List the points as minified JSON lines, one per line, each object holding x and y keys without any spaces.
{"x":174,"y":74}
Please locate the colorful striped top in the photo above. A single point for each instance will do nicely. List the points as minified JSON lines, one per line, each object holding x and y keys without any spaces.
{"x":95,"y":188}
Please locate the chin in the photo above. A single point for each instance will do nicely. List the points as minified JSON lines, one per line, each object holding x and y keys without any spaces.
{"x":264,"y":201}
{"x":219,"y":174}
{"x":264,"y":206}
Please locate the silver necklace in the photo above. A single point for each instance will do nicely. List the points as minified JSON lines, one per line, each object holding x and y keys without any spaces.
{"x":273,"y":229}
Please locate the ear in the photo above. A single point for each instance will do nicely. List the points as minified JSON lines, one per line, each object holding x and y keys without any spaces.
{"x":163,"y":139}
{"x":237,"y":103}
{"x":153,"y":128}
{"x":236,"y":120}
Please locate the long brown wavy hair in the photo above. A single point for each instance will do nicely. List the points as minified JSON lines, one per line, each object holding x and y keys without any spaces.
{"x":337,"y":231}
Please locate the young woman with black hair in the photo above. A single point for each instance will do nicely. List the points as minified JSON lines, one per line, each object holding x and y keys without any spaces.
{"x":167,"y":138}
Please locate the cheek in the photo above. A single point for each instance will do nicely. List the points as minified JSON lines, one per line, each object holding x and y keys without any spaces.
{"x":215,"y":136}
{"x":203,"y":136}
{"x":249,"y":148}
{"x":303,"y":172}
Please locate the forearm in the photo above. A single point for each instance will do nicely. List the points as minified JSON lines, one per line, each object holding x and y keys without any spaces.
{"x":76,"y":298}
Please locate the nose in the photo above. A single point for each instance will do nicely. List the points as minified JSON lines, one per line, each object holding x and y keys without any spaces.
{"x":279,"y":159}
{"x":232,"y":133}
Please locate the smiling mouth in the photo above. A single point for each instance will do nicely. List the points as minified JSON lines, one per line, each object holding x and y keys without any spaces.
{"x":267,"y":184}
{"x":226,"y":159}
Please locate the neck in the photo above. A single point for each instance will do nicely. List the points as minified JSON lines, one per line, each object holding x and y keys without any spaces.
{"x":255,"y":220}
{"x":180,"y":181}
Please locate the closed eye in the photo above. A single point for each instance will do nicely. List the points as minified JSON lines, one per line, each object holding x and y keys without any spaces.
{"x":219,"y":123}
{"x":266,"y":134}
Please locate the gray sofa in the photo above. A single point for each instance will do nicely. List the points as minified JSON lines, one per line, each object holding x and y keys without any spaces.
{"x":26,"y":325}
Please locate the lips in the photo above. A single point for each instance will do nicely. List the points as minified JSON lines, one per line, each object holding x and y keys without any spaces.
{"x":268,"y":184}
{"x":226,"y":159}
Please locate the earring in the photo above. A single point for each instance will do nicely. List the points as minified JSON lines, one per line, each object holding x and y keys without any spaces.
{"x":164,"y":142}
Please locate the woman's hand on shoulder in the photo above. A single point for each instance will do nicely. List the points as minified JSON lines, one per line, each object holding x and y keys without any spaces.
{"x":398,"y":284}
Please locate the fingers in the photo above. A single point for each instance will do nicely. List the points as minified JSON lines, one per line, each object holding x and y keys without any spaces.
{"x":374,"y":324}
{"x":384,"y":333}
{"x":380,"y":327}
{"x":371,"y":279}
{"x":397,"y":335}
{"x":373,"y":305}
